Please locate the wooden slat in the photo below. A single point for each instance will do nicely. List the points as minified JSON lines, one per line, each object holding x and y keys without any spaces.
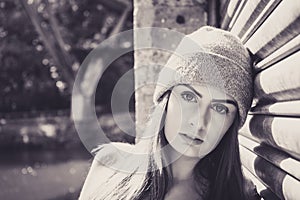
{"x":236,"y":14}
{"x":281,"y":183}
{"x":280,"y":27}
{"x":289,"y":108}
{"x":260,"y":18}
{"x":279,"y":132}
{"x":287,"y":84}
{"x":275,"y":156}
{"x":249,"y":13}
{"x":230,"y":11}
{"x":264,"y":191}
{"x":289,"y":48}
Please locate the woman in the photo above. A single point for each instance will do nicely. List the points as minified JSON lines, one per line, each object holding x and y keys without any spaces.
{"x":189,"y":149}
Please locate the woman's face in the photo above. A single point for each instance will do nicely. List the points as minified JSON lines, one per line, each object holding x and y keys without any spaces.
{"x":197,"y":118}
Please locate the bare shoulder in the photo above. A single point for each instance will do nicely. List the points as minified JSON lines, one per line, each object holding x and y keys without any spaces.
{"x":107,"y":156}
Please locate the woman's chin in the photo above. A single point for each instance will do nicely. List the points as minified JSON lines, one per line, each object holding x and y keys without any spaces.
{"x":187,"y":150}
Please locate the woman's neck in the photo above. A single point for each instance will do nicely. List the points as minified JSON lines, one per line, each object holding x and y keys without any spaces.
{"x":182,"y":166}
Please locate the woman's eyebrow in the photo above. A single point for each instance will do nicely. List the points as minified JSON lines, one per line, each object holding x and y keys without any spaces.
{"x":213,"y":100}
{"x":225,"y":101}
{"x":191,"y":88}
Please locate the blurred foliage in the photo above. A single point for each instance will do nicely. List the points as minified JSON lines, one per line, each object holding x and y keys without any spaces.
{"x":42,"y":44}
{"x":32,"y":77}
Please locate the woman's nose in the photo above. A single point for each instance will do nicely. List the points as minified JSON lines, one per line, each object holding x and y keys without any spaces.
{"x":201,"y":119}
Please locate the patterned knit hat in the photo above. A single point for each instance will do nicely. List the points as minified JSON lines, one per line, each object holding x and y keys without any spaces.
{"x":212,"y":57}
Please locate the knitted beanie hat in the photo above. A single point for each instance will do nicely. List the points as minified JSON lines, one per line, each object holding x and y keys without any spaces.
{"x":213,"y":57}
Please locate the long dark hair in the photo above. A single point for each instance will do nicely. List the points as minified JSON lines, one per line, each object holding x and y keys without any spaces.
{"x":219,"y":173}
{"x":222,"y":168}
{"x":217,"y":176}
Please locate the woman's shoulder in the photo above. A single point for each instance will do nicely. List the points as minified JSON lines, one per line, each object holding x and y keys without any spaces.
{"x":106,"y":159}
{"x":113,"y":152}
{"x":113,"y":146}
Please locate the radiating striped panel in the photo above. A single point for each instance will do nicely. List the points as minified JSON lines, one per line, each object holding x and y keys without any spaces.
{"x":247,"y":16}
{"x":279,"y":158}
{"x":230,"y":11}
{"x":287,"y":108}
{"x":281,"y":26}
{"x":279,"y":132}
{"x":286,"y":50}
{"x":281,"y":82}
{"x":281,"y":183}
{"x":260,"y":187}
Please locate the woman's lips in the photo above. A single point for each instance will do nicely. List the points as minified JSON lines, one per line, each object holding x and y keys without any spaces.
{"x":190,"y":139}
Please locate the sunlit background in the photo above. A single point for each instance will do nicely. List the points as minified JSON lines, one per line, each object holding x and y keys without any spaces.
{"x":42,"y":44}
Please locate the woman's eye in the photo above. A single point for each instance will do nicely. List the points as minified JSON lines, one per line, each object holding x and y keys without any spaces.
{"x":189,"y":96}
{"x":220,"y":108}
